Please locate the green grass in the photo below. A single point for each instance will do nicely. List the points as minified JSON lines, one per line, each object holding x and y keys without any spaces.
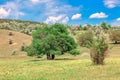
{"x":80,"y":69}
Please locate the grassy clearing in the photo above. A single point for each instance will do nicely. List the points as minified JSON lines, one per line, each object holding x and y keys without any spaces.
{"x":36,"y":69}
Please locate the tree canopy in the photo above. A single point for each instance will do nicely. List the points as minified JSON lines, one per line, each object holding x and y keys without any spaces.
{"x":52,"y":40}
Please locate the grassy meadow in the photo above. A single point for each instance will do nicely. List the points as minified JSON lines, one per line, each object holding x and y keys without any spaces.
{"x":59,"y":69}
{"x":16,"y":65}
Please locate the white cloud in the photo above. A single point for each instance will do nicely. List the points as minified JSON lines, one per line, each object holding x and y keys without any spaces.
{"x":3,"y":13}
{"x":12,"y":10}
{"x":40,"y":1}
{"x":60,"y":19}
{"x":40,"y":9}
{"x":76,"y":16}
{"x":118,"y":19}
{"x":35,"y":1}
{"x":98,"y":15}
{"x":65,"y":20}
{"x":115,"y":23}
{"x":111,"y":3}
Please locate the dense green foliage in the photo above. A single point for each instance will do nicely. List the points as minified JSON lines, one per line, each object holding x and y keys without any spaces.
{"x":51,"y":41}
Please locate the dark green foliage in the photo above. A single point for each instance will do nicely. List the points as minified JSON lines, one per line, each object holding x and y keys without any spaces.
{"x":74,"y":52}
{"x":30,"y":50}
{"x":51,"y":41}
{"x":105,"y":26}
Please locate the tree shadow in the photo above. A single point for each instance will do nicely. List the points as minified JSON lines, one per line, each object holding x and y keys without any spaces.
{"x":64,"y":59}
{"x":57,"y":59}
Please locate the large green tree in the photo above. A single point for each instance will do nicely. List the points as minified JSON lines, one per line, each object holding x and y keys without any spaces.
{"x":50,"y":41}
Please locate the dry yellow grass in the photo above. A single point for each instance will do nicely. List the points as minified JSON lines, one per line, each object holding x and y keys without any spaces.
{"x":6,"y":49}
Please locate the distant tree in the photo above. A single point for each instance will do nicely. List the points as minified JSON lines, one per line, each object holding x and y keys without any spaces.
{"x":80,"y":27}
{"x":51,"y":41}
{"x":105,"y":26}
{"x":83,"y":38}
{"x":115,"y":36}
{"x":109,"y":26}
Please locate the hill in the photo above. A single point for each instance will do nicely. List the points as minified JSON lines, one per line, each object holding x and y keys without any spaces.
{"x":6,"y":49}
{"x":20,"y":25}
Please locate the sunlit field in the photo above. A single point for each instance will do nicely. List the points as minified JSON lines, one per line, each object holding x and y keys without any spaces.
{"x":59,"y":69}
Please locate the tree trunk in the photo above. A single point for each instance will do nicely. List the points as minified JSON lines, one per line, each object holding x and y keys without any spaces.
{"x":50,"y":56}
{"x":115,"y":42}
{"x":98,"y":61}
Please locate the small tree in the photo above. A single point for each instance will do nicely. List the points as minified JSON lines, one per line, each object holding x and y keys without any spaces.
{"x":51,"y":41}
{"x":98,"y":46}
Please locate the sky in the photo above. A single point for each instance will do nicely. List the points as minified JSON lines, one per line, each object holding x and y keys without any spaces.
{"x":73,"y":12}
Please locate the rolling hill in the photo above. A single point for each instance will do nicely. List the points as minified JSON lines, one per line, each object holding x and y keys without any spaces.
{"x":6,"y":49}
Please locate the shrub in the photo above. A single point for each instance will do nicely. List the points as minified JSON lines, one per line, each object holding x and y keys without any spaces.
{"x":10,"y":33}
{"x":14,"y":52}
{"x":75,"y":52}
{"x":23,"y":47}
{"x":30,"y":50}
{"x":84,"y":38}
{"x":98,"y":46}
{"x":10,"y":41}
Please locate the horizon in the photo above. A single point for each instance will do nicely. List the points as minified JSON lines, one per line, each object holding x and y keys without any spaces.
{"x":62,"y":11}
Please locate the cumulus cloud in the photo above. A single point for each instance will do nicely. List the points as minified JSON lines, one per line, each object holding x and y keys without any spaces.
{"x":118,"y":19}
{"x":60,"y":19}
{"x":111,"y":3}
{"x":39,"y":9}
{"x":4,"y":13}
{"x":98,"y":15}
{"x":11,"y":10}
{"x":76,"y":16}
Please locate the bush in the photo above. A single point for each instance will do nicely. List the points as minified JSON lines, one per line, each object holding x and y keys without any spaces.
{"x":75,"y":52}
{"x":98,"y":46}
{"x":115,"y":35}
{"x":30,"y":51}
{"x":23,"y":47}
{"x":10,"y":41}
{"x":10,"y":33}
{"x":84,"y":38}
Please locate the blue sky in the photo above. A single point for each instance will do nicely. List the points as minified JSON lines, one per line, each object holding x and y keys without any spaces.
{"x":62,"y":11}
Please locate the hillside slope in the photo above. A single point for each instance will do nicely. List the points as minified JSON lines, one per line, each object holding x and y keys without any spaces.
{"x":6,"y":49}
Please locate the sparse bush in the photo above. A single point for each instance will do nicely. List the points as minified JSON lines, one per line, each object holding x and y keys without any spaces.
{"x":10,"y":41}
{"x":14,"y":52}
{"x":84,"y":38}
{"x":98,"y":46}
{"x":23,"y":47}
{"x":10,"y":33}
